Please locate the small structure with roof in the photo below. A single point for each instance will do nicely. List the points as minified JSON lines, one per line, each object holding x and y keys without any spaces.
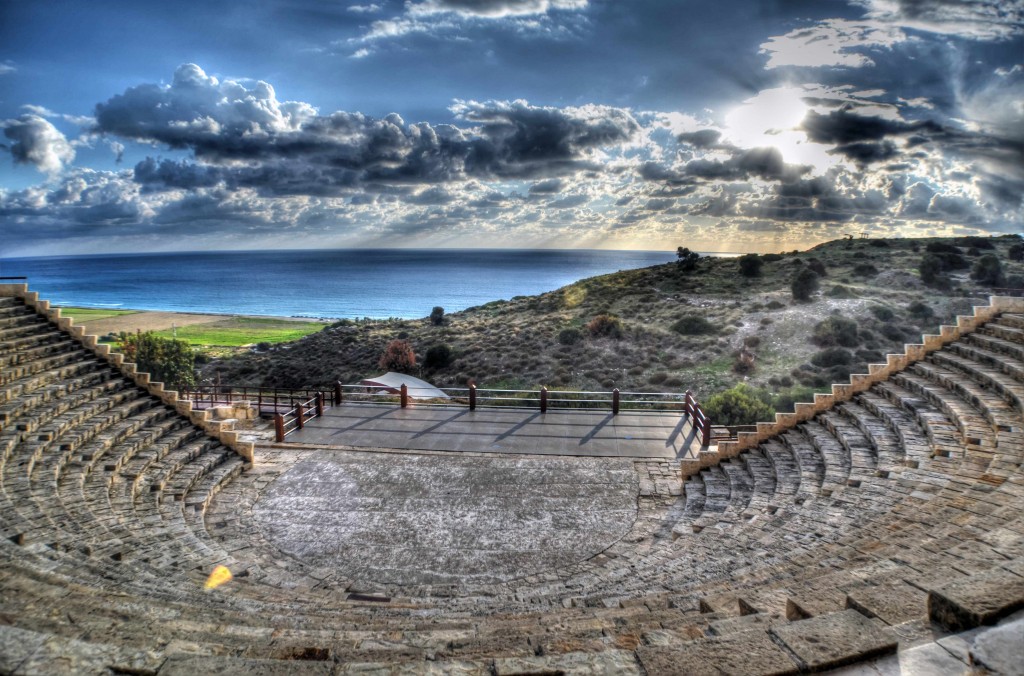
{"x":418,"y":389}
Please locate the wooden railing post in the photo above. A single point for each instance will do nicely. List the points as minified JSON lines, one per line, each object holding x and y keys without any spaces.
{"x":543,"y":400}
{"x":405,"y":395}
{"x":472,"y":397}
{"x":337,"y":393}
{"x":259,"y":402}
{"x":615,"y":401}
{"x":278,"y":427}
{"x":688,"y":403}
{"x":298,"y":415}
{"x":319,"y":404}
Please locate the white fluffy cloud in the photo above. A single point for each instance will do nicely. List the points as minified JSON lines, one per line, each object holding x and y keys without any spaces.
{"x":37,"y":142}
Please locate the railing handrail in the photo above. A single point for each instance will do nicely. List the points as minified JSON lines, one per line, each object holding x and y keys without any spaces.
{"x":296,"y":412}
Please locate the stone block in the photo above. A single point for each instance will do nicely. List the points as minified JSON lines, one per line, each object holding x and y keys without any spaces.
{"x":832,"y":640}
{"x":748,"y":652}
{"x":570,"y":664}
{"x":1000,"y":649}
{"x":976,"y":600}
{"x":189,"y":665}
{"x":893,"y":604}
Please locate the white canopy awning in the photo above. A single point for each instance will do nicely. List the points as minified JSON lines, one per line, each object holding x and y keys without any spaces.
{"x":419,"y":389}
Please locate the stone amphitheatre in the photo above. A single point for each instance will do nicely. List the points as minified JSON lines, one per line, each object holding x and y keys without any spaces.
{"x":881,"y":524}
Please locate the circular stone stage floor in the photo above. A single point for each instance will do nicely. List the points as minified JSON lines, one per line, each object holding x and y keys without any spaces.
{"x":401,"y":519}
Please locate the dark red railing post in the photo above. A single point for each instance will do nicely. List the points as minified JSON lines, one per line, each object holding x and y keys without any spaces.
{"x":337,"y":393}
{"x":259,"y":402}
{"x":319,"y":403}
{"x":275,"y":400}
{"x":472,"y":397}
{"x":278,"y":427}
{"x":543,"y":400}
{"x":615,"y":401}
{"x":405,"y":395}
{"x":688,"y":403}
{"x":298,"y":415}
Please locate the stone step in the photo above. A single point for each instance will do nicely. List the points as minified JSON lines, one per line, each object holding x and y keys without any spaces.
{"x":33,"y":353}
{"x":885,"y":444}
{"x":974,"y":429}
{"x":808,"y":460}
{"x":1004,"y":331}
{"x":785,"y":468}
{"x":994,"y":344}
{"x":762,"y":472}
{"x":974,"y":403}
{"x":989,"y":377}
{"x":861,"y":453}
{"x":42,"y":363}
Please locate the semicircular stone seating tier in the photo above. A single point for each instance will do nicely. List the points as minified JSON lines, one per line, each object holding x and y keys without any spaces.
{"x":881,"y":522}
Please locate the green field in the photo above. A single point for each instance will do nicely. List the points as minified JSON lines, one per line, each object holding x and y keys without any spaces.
{"x":240,"y":331}
{"x":85,"y":314}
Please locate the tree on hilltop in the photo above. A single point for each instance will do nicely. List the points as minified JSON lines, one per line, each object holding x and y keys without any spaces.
{"x":686,"y":259}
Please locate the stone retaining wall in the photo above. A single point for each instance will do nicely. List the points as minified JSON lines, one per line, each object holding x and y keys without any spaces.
{"x":223,"y":430}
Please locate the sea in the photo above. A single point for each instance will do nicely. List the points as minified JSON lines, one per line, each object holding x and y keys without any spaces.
{"x":352,"y":283}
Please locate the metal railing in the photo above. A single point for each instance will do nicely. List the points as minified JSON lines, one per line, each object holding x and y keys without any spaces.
{"x":293,"y":407}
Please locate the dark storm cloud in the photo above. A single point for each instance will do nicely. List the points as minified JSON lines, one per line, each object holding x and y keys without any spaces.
{"x":703,"y":138}
{"x":37,"y":142}
{"x":764,"y":163}
{"x":843,"y":126}
{"x":287,"y":147}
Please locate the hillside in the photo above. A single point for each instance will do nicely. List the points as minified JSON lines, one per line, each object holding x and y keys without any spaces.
{"x":703,"y":329}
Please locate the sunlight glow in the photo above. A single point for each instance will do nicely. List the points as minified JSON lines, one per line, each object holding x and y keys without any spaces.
{"x":771,"y":119}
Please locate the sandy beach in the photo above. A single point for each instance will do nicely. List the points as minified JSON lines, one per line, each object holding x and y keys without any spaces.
{"x":147,"y":320}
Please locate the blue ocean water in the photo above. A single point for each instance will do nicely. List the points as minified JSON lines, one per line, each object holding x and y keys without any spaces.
{"x":333,"y":283}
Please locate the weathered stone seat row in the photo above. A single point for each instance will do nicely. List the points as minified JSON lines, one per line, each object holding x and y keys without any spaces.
{"x":861,"y":523}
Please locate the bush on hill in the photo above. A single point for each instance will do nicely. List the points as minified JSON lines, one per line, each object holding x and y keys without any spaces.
{"x":438,"y":356}
{"x":437,"y":315}
{"x":569,"y":336}
{"x":740,"y":405}
{"x":166,"y":360}
{"x":605,"y":326}
{"x":835,"y":331}
{"x":398,"y":356}
{"x":1016,"y":252}
{"x":804,"y":285}
{"x":988,"y":271}
{"x":750,"y":265}
{"x":693,"y":325}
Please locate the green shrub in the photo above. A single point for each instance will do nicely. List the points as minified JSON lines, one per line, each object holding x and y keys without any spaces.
{"x":774,"y":305}
{"x":880,"y":243}
{"x":740,"y":405}
{"x":882,"y":313}
{"x":835,"y":331}
{"x":686,"y":259}
{"x":437,"y":315}
{"x":693,"y":325}
{"x":785,"y":401}
{"x":166,"y":360}
{"x":817,"y":266}
{"x":832,"y":356}
{"x":931,"y":269}
{"x":865,"y":270}
{"x":988,"y":271}
{"x":1016,"y":252}
{"x":750,"y":265}
{"x":605,"y":326}
{"x":772,"y":257}
{"x":804,"y":285}
{"x":569,"y":336}
{"x":976,"y":242}
{"x":438,"y":356}
{"x":920,"y":310}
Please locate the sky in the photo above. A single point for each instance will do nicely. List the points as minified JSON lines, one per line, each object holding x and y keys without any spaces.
{"x":722,"y":125}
